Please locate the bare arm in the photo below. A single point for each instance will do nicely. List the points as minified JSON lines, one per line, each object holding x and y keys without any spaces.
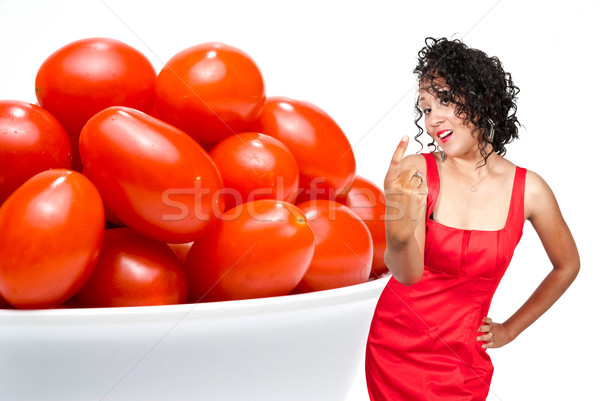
{"x":406,"y":200}
{"x":543,"y":212}
{"x":405,"y":260}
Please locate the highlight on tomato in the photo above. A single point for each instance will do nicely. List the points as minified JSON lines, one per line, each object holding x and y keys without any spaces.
{"x":88,"y":75}
{"x":255,"y":166}
{"x":344,"y":248}
{"x":52,"y":228}
{"x":134,"y":270}
{"x":31,"y":141}
{"x":258,"y":249}
{"x":210,"y":91}
{"x":322,"y":151}
{"x":152,"y":176}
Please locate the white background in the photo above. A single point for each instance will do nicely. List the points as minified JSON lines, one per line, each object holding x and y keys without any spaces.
{"x":354,"y":60}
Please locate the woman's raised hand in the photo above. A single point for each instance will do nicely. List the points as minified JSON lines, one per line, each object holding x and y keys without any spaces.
{"x":405,"y":195}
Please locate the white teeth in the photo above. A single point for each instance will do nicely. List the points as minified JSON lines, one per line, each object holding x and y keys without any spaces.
{"x":445,"y":134}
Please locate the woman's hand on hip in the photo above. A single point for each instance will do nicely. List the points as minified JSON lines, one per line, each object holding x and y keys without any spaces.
{"x":493,"y":335}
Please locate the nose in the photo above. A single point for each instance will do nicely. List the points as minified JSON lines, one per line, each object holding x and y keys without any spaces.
{"x":436,"y":118}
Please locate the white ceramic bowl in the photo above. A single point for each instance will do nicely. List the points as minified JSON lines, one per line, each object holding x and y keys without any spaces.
{"x":304,"y":347}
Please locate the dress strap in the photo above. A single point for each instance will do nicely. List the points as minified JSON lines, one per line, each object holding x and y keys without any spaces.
{"x":516,"y":214}
{"x":433,"y":182}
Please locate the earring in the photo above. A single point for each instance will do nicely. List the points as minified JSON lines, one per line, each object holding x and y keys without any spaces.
{"x":491,"y":135}
{"x":436,"y":148}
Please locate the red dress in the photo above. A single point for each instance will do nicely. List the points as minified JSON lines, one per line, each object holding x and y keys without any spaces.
{"x":423,"y":339}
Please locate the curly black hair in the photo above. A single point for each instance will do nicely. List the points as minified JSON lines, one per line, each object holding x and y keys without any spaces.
{"x":484,"y":94}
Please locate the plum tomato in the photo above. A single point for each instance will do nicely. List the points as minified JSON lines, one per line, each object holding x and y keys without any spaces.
{"x":210,"y":91}
{"x":52,"y":228}
{"x":88,"y":75}
{"x":258,"y":249}
{"x":255,"y":166}
{"x":31,"y":141}
{"x":322,"y":151}
{"x":134,"y":270}
{"x":367,"y":200}
{"x":152,"y":176}
{"x":344,"y":248}
{"x":109,"y":216}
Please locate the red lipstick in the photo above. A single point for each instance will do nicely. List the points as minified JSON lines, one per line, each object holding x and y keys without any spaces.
{"x":444,"y":135}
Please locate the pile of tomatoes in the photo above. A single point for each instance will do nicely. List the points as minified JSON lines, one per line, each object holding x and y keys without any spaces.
{"x":124,"y":187}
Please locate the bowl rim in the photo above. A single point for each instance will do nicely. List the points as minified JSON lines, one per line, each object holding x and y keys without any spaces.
{"x":357,"y":293}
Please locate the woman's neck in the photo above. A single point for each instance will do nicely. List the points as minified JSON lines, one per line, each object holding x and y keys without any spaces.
{"x":474,"y":164}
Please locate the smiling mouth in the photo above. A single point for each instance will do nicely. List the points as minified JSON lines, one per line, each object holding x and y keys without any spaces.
{"x":445,"y":135}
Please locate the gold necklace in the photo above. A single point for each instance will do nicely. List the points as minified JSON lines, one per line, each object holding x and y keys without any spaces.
{"x":474,"y":186}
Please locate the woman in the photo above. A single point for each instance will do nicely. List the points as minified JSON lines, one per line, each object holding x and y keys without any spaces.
{"x":453,"y":220}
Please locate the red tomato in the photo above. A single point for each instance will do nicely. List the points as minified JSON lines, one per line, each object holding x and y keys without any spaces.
{"x":210,"y":91}
{"x":152,"y":176}
{"x":89,"y":75}
{"x":256,"y":166}
{"x":344,"y":249}
{"x":322,"y":151}
{"x":367,"y":200}
{"x":181,"y":250}
{"x":259,"y":249}
{"x":52,"y":228}
{"x":31,"y":140}
{"x":134,"y":270}
{"x":110,"y":217}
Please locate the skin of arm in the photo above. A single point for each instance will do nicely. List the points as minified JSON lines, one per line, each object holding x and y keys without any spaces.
{"x":542,"y":210}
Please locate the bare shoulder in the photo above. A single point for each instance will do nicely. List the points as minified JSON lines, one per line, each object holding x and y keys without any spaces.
{"x":417,"y":160}
{"x":536,"y":186}
{"x":539,"y":198}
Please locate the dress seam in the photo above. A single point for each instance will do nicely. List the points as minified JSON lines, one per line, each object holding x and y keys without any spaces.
{"x":476,"y":308}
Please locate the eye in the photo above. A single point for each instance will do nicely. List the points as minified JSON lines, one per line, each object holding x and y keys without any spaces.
{"x":426,"y":110}
{"x":444,"y":98}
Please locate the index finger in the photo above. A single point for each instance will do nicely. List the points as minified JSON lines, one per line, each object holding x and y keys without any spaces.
{"x":399,"y":152}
